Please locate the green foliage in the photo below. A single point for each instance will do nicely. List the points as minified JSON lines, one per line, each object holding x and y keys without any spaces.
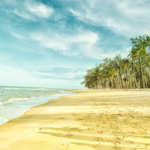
{"x":120,"y":73}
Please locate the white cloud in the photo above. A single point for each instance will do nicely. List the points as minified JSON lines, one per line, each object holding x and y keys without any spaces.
{"x":39,"y":9}
{"x":128,"y":18}
{"x":28,"y":9}
{"x":55,"y":73}
{"x":23,"y":14}
{"x":80,"y":44}
{"x":111,"y":53}
{"x":69,"y":44}
{"x":90,"y":38}
{"x":17,"y":35}
{"x":52,"y":42}
{"x":119,"y":17}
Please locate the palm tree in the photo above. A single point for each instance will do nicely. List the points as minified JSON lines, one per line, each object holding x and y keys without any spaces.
{"x":140,"y":50}
{"x":130,"y":72}
{"x":132,"y":56}
{"x":147,"y":39}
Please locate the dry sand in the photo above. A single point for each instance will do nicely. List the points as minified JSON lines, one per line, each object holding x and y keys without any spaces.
{"x":88,"y":120}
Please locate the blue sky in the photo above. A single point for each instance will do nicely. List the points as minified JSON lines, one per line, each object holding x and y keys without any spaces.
{"x":51,"y":43}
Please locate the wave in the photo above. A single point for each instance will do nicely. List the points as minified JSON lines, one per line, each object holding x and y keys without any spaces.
{"x":18,"y":106}
{"x":11,"y":94}
{"x":30,"y":89}
{"x":3,"y":120}
{"x":11,"y":100}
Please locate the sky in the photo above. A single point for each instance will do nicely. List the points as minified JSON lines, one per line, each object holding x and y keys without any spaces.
{"x":52,"y":43}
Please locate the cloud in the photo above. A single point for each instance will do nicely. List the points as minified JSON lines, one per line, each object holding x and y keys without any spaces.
{"x":28,"y":9}
{"x":66,"y":37}
{"x":59,"y":73}
{"x":23,"y":14}
{"x":82,"y":44}
{"x":90,"y":29}
{"x":74,"y":44}
{"x":39,"y":9}
{"x":127,"y":18}
{"x":17,"y":35}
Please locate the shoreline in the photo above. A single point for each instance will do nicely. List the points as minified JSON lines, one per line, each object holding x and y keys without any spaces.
{"x":89,"y":119}
{"x":39,"y":101}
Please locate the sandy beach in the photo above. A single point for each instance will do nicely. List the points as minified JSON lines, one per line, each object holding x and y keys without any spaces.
{"x":87,"y":120}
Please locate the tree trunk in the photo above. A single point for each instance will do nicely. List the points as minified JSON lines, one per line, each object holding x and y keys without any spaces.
{"x":108,"y":83}
{"x":136,"y":85}
{"x":146,"y":82}
{"x":120,"y":74}
{"x":141,"y":73}
{"x":126,"y":79}
{"x":118,"y":80}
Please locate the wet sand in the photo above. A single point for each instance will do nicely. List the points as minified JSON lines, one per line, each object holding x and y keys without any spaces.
{"x":87,"y":120}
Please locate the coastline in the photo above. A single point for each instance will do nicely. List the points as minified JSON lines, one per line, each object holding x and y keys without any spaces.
{"x":13,"y":108}
{"x":87,"y":120}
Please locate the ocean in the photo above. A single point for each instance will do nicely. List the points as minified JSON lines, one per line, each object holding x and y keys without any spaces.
{"x":15,"y":101}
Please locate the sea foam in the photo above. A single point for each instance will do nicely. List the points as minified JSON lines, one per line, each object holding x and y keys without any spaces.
{"x":14,"y":101}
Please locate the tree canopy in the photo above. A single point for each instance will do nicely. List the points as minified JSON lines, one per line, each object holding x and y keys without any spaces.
{"x":123,"y":73}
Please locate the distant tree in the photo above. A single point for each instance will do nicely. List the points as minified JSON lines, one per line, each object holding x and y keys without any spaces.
{"x":130,"y":72}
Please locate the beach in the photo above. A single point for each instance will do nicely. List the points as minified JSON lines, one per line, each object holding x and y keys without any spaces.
{"x":87,"y":120}
{"x":15,"y":101}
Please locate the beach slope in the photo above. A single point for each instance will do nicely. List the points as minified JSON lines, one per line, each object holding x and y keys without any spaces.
{"x":87,"y":120}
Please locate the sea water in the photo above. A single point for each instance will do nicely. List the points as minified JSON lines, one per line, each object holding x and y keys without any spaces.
{"x":14,"y":101}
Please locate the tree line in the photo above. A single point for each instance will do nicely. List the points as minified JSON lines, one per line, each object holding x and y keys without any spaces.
{"x":123,"y":73}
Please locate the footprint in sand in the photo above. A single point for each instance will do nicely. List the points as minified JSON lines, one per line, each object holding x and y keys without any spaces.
{"x":63,"y":143}
{"x":79,"y":130}
{"x":95,"y":144}
{"x":61,"y":118}
{"x":69,"y":135}
{"x":44,"y":127}
{"x":118,"y":145}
